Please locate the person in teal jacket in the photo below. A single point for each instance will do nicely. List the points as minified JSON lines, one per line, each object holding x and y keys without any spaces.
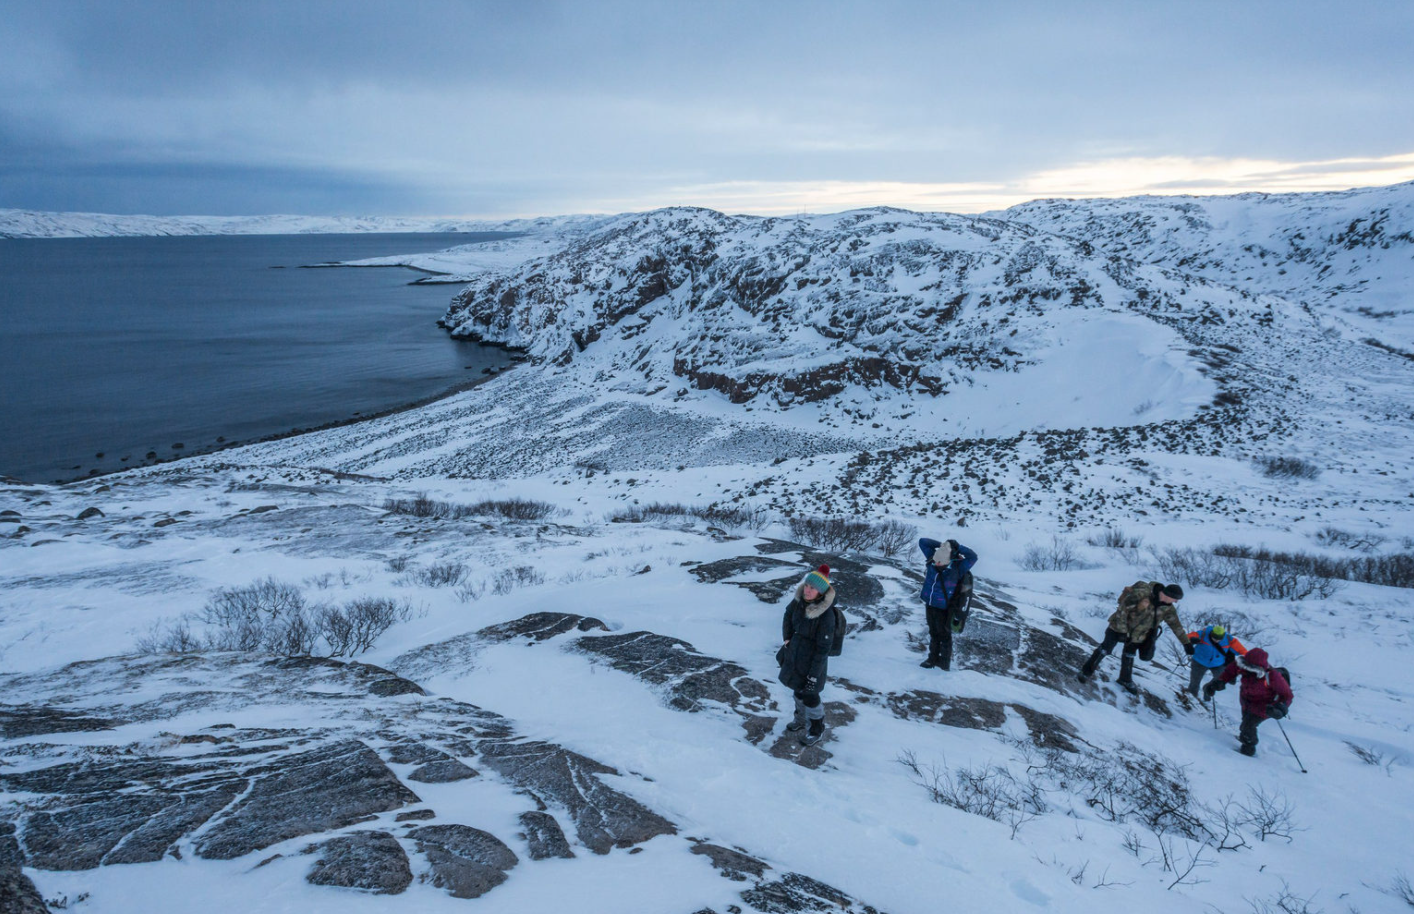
{"x":947,"y":562}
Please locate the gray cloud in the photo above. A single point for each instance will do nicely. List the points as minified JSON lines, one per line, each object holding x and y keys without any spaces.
{"x":546,"y":107}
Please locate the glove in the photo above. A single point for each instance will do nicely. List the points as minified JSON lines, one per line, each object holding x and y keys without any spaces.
{"x":952,"y":544}
{"x":1208,"y":691}
{"x":1188,"y":648}
{"x":1276,"y":710}
{"x":811,"y":684}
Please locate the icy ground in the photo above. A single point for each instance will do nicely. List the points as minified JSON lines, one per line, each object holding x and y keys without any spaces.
{"x":584,"y":714}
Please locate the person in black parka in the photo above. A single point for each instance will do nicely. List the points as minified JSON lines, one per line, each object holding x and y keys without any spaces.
{"x":808,"y":630}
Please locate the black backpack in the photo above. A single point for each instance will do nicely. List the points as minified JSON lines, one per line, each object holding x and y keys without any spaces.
{"x":960,"y":603}
{"x":841,"y":629}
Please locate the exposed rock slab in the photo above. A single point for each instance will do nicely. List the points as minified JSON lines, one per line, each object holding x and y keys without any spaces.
{"x":691,"y":678}
{"x":370,"y":860}
{"x":20,"y":720}
{"x":330,"y":787}
{"x":466,"y":861}
{"x":442,"y":771}
{"x":544,"y":835}
{"x":603,"y":817}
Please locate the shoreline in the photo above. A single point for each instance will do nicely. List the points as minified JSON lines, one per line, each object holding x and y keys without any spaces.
{"x":452,"y":391}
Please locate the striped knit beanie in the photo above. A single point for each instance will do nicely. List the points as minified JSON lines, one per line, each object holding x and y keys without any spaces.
{"x":819,"y":578}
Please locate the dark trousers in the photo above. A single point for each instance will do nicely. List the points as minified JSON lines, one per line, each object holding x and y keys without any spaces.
{"x":1247,"y":733}
{"x":940,"y":637}
{"x":1107,"y":646}
{"x":1196,"y":672}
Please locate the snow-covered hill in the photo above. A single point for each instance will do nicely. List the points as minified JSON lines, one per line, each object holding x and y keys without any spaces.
{"x":1350,"y":254}
{"x":576,"y":707}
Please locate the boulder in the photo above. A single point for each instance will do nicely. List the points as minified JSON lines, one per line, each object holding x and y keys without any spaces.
{"x":370,"y":860}
{"x":466,"y":861}
{"x":331,"y":787}
{"x":544,"y":835}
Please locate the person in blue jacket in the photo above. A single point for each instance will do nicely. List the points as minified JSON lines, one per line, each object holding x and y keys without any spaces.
{"x":947,"y":563}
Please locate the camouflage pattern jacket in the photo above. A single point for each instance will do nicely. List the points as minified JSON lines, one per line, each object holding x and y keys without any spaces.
{"x":1140,"y":612}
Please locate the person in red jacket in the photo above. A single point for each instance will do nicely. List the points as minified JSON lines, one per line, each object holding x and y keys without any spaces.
{"x":1264,"y":693}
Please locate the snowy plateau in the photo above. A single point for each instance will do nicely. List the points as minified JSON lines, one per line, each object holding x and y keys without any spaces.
{"x":571,"y":580}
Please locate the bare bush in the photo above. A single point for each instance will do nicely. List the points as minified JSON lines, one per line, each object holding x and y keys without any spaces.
{"x":440,"y":574}
{"x":1395,"y":570}
{"x":360,"y":623}
{"x":1268,"y":813}
{"x":834,"y":534}
{"x":1060,"y":555}
{"x":1401,"y":888}
{"x":399,"y":563}
{"x":990,"y":791}
{"x":511,"y":508}
{"x":1287,"y":468}
{"x":1115,"y":538}
{"x":894,"y":536}
{"x":252,"y":617}
{"x":1284,"y":902}
{"x":728,"y":516}
{"x":508,"y":579}
{"x":1334,"y":537}
{"x":169,"y":638}
{"x":515,"y":509}
{"x":421,"y":505}
{"x":471,"y":591}
{"x":272,"y":617}
{"x":1254,"y":572}
{"x":843,"y":534}
{"x":1366,"y":754}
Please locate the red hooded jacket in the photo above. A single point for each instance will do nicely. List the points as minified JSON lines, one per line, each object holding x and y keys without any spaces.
{"x":1261,"y":685}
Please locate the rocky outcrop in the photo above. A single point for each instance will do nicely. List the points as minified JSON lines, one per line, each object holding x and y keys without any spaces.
{"x":370,"y":860}
{"x":691,"y":679}
{"x":544,"y":835}
{"x":603,"y":817}
{"x":466,"y":861}
{"x":325,"y":789}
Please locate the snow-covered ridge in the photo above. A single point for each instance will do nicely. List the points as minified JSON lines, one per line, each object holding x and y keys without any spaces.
{"x":1349,"y":253}
{"x":17,"y":223}
{"x":882,"y":300}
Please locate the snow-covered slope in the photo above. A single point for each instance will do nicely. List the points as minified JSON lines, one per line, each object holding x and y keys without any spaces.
{"x":1350,"y":254}
{"x":579,"y":710}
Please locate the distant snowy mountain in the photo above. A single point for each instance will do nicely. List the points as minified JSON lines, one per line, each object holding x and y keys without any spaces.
{"x":16,"y":223}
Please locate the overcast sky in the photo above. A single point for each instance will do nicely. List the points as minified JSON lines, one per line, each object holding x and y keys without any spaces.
{"x":532,"y":108}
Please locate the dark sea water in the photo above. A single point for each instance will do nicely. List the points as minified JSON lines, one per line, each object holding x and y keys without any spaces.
{"x":125,"y":346}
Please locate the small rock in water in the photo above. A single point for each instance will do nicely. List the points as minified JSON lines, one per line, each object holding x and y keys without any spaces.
{"x":178,"y":446}
{"x":99,"y":455}
{"x":151,"y":455}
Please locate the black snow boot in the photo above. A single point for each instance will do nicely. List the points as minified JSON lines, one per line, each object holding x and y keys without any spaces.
{"x":929,"y":663}
{"x":1126,"y":674}
{"x":1088,"y":669}
{"x":1248,"y":749}
{"x":813,"y":735}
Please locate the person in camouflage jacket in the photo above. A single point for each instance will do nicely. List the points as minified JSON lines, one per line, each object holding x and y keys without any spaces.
{"x":1143,"y":606}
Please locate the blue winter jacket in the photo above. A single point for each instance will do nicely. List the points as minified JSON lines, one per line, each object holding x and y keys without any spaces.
{"x":1211,"y":652}
{"x":938,"y":585}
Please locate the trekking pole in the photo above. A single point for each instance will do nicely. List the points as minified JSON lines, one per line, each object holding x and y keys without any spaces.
{"x":1292,"y":748}
{"x":1214,"y":702}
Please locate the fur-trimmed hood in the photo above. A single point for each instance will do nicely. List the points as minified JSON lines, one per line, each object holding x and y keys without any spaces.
{"x":823,"y":602}
{"x":1254,"y":663}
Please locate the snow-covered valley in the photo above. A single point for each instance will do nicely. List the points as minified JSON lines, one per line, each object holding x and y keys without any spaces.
{"x":575,"y":703}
